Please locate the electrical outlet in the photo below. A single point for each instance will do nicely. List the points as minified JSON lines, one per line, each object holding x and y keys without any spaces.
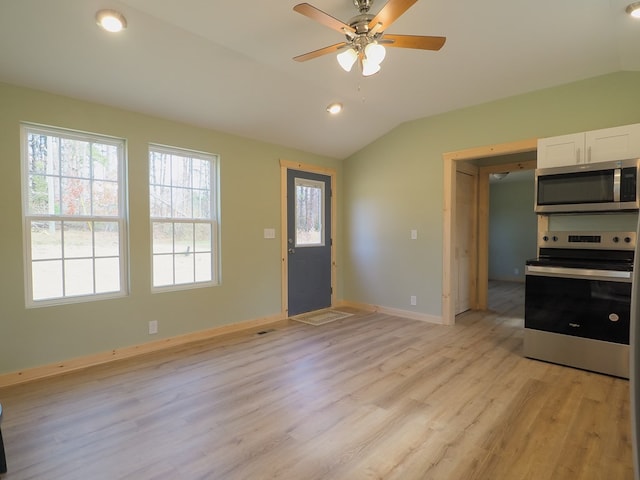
{"x":414,"y":300}
{"x":153,"y":327}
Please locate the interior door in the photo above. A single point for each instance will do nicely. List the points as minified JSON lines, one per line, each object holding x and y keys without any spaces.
{"x":308,"y":241}
{"x":464,"y":239}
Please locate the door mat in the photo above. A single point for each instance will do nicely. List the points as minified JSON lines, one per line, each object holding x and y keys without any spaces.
{"x":321,"y":317}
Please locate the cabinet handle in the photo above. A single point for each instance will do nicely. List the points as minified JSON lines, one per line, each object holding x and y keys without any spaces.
{"x":589,"y":155}
{"x":577,"y":155}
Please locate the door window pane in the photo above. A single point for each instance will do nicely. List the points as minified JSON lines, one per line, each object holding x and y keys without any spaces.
{"x":309,"y":213}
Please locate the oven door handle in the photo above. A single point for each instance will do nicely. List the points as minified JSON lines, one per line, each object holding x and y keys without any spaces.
{"x":586,"y":273}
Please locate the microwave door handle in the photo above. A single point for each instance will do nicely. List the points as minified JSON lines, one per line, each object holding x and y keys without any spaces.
{"x":617,"y":176}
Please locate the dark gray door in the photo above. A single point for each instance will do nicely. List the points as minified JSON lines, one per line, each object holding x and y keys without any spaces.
{"x":308,"y":241}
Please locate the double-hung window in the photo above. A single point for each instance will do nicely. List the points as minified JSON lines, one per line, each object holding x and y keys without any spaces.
{"x":184,"y":217}
{"x":74,"y":215}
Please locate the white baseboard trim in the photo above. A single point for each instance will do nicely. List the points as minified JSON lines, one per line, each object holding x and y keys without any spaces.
{"x":423,"y":317}
{"x":44,"y":371}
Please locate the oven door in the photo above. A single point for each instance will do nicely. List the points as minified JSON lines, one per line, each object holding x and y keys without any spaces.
{"x":592,"y":304}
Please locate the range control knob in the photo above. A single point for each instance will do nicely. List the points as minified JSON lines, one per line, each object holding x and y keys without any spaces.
{"x":555,"y":238}
{"x":616,"y":239}
{"x":545,"y":238}
{"x":627,"y":239}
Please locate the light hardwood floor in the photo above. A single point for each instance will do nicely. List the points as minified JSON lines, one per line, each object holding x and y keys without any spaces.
{"x":369,"y":397}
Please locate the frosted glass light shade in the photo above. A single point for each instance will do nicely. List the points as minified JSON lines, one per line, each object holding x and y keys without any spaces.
{"x":375,"y":53}
{"x":369,"y":68}
{"x":347,"y":58}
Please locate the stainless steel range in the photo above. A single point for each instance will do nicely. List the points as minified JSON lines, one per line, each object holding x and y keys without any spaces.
{"x":578,"y":300}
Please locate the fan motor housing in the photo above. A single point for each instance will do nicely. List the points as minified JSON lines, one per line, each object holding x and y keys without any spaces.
{"x":360,"y":23}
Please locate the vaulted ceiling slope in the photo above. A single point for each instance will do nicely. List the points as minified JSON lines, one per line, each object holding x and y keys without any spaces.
{"x":227,"y":65}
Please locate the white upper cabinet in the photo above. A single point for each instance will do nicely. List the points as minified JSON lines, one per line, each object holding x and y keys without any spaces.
{"x":617,"y":143}
{"x":561,"y":151}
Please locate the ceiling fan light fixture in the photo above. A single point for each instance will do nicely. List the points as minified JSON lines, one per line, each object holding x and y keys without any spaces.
{"x":347,"y":58}
{"x":375,"y":52}
{"x":111,"y":21}
{"x":362,"y":33}
{"x":634,"y":9}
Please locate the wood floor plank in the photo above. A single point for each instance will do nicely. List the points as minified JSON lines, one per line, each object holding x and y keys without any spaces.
{"x":372,"y":396}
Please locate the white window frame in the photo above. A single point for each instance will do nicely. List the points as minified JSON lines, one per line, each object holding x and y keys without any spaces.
{"x":212,"y":222}
{"x":28,"y":217}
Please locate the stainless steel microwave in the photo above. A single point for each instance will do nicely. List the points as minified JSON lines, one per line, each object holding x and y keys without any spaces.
{"x":593,"y":187}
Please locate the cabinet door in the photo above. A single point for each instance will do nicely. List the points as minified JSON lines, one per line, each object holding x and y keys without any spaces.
{"x":618,"y":143}
{"x":561,"y":151}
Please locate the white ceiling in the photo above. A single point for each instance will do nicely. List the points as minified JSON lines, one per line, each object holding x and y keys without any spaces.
{"x":227,"y":65}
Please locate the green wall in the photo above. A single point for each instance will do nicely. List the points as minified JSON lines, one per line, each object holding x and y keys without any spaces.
{"x":251,"y":267}
{"x":513,"y":227}
{"x":385,"y":190}
{"x":395,"y":184}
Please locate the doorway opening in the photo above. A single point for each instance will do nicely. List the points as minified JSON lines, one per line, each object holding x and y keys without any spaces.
{"x":481,"y":162}
{"x":513,"y":228}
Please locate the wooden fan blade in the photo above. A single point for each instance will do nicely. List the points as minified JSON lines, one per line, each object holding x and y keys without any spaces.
{"x":413,"y":41}
{"x":390,"y":13}
{"x":319,"y":52}
{"x":324,"y":18}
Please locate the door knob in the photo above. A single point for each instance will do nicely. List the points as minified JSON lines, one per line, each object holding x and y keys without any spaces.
{"x":292,"y":250}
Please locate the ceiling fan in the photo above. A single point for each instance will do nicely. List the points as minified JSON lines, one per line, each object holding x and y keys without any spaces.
{"x":365,"y":35}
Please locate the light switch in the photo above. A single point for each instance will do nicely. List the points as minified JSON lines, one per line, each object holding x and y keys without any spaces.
{"x":414,"y":234}
{"x":269,"y":233}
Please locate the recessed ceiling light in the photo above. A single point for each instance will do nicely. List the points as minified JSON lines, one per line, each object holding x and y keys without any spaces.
{"x":634,"y":10}
{"x":111,"y":21}
{"x":334,"y":108}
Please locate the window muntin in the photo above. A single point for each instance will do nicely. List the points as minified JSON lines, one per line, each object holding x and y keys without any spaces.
{"x":74,"y":216}
{"x":183,"y":211}
{"x":309,"y":213}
